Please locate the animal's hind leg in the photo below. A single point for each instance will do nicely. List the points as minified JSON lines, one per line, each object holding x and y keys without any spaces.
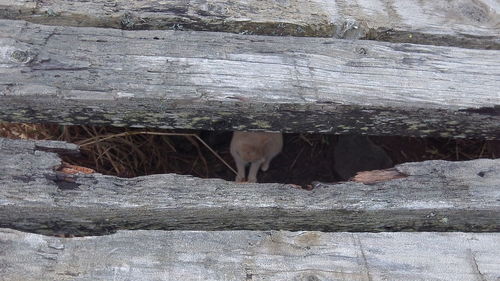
{"x":265,"y":165}
{"x":254,"y":168}
{"x":240,"y":166}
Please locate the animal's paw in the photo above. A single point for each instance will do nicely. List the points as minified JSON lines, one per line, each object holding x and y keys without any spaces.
{"x":252,"y":180}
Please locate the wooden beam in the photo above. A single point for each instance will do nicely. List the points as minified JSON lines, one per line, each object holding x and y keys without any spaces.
{"x":250,"y":255}
{"x":464,"y":23}
{"x":433,"y":196}
{"x":221,"y":81}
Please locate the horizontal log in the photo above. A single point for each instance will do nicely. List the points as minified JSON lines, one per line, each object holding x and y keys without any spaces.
{"x":221,"y":81}
{"x":465,"y":23}
{"x":250,"y":255}
{"x":431,"y":196}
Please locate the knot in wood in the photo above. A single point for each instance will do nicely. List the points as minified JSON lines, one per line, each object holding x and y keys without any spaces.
{"x":352,"y":29}
{"x":312,"y":278}
{"x":361,"y":51}
{"x":22,"y":56}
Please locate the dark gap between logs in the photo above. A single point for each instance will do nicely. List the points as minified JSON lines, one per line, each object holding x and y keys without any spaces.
{"x":305,"y":157}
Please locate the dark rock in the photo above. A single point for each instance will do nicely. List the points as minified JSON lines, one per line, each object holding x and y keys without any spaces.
{"x":354,"y":153}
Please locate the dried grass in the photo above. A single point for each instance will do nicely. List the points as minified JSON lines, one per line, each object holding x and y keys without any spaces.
{"x":126,"y":152}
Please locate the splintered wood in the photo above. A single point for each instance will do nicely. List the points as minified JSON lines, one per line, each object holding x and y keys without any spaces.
{"x":371,"y":177}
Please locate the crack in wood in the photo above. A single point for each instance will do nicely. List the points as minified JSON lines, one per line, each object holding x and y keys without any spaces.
{"x":475,"y":266}
{"x":359,"y":245}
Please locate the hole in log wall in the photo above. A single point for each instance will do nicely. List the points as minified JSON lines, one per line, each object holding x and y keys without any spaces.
{"x":305,"y":157}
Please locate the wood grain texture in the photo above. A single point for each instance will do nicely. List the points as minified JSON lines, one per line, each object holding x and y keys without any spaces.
{"x":435,"y":196}
{"x":221,"y":81}
{"x":251,"y":255}
{"x":465,"y":23}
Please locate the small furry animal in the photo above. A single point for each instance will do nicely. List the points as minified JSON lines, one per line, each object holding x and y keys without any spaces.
{"x":257,"y":148}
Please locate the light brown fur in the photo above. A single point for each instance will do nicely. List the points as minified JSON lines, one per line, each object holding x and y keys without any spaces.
{"x":257,"y":148}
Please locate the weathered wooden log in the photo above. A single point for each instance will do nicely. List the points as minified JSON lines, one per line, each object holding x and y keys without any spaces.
{"x":434,"y":196}
{"x":250,"y":255}
{"x":221,"y":81}
{"x":465,"y":23}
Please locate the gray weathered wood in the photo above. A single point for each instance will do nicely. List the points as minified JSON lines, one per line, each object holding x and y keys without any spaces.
{"x":221,"y":81}
{"x":251,"y":255}
{"x":436,"y":196}
{"x":467,"y":23}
